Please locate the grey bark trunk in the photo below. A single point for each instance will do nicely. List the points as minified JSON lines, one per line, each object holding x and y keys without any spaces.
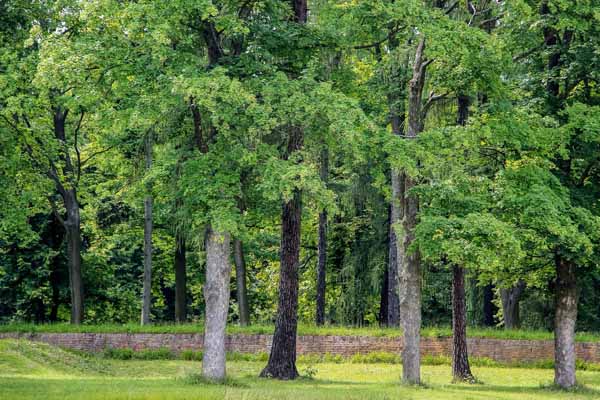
{"x":73,"y":228}
{"x":240,"y":278}
{"x":564,"y":324}
{"x":510,"y":305}
{"x":322,"y":247}
{"x":409,"y":262}
{"x":147,"y":279}
{"x":216,"y":297}
{"x":180,"y":279}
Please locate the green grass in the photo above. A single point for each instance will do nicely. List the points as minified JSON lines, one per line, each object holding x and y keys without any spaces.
{"x":303,"y":329}
{"x":38,"y":371}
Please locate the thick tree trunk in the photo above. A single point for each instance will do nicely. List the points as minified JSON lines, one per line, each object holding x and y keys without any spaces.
{"x":409,"y":262}
{"x":216,"y":297}
{"x":564,"y":323}
{"x":180,"y":279}
{"x":322,"y":263}
{"x":510,"y":305}
{"x":410,"y":292}
{"x":461,"y":370}
{"x":147,"y":278}
{"x":240,"y":278}
{"x":282,"y":360}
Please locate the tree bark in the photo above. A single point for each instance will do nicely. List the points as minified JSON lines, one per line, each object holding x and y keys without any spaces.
{"x":240,"y":278}
{"x":180,"y":279}
{"x":73,"y":228}
{"x":322,"y":248}
{"x":510,"y":305}
{"x":409,"y":262}
{"x":564,"y":323}
{"x":216,"y":296}
{"x":461,"y":370}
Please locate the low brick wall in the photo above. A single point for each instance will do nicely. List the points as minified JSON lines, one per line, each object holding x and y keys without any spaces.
{"x":496,"y":349}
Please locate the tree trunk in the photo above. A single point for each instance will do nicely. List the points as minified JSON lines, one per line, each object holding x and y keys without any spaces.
{"x":489,"y":308}
{"x":564,"y":323}
{"x":73,"y":228}
{"x":510,"y":305}
{"x":180,"y":279}
{"x":409,"y":262}
{"x":396,"y":213}
{"x":282,"y":360}
{"x":461,"y":370}
{"x":322,"y":264}
{"x":216,"y":296}
{"x":240,"y":278}
{"x":460,"y":358}
{"x":147,"y":279}
{"x":383,"y":301}
{"x":396,"y":108}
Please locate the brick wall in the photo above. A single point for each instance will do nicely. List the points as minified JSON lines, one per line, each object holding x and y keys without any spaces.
{"x":499,"y":350}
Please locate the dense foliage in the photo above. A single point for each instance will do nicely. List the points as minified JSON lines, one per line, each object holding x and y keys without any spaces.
{"x":506,"y":169}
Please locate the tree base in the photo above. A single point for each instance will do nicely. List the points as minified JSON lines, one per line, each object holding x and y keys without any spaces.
{"x":281,"y":372}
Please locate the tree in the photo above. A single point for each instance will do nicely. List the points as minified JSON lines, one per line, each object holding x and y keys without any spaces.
{"x":282,"y":359}
{"x":147,"y":279}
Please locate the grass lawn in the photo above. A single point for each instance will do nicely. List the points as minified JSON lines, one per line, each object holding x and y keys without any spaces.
{"x":38,"y":371}
{"x":303,"y":329}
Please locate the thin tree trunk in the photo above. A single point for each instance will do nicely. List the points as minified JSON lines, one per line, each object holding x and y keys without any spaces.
{"x":396,"y":108}
{"x":489,"y":308}
{"x":73,"y":228}
{"x":216,"y":296}
{"x":564,"y":323}
{"x":180,"y":279}
{"x":147,"y":279}
{"x":510,"y":305}
{"x":72,"y":224}
{"x":383,"y":301}
{"x":240,"y":278}
{"x":396,"y":214}
{"x":322,"y":264}
{"x":409,"y":262}
{"x":461,"y":370}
